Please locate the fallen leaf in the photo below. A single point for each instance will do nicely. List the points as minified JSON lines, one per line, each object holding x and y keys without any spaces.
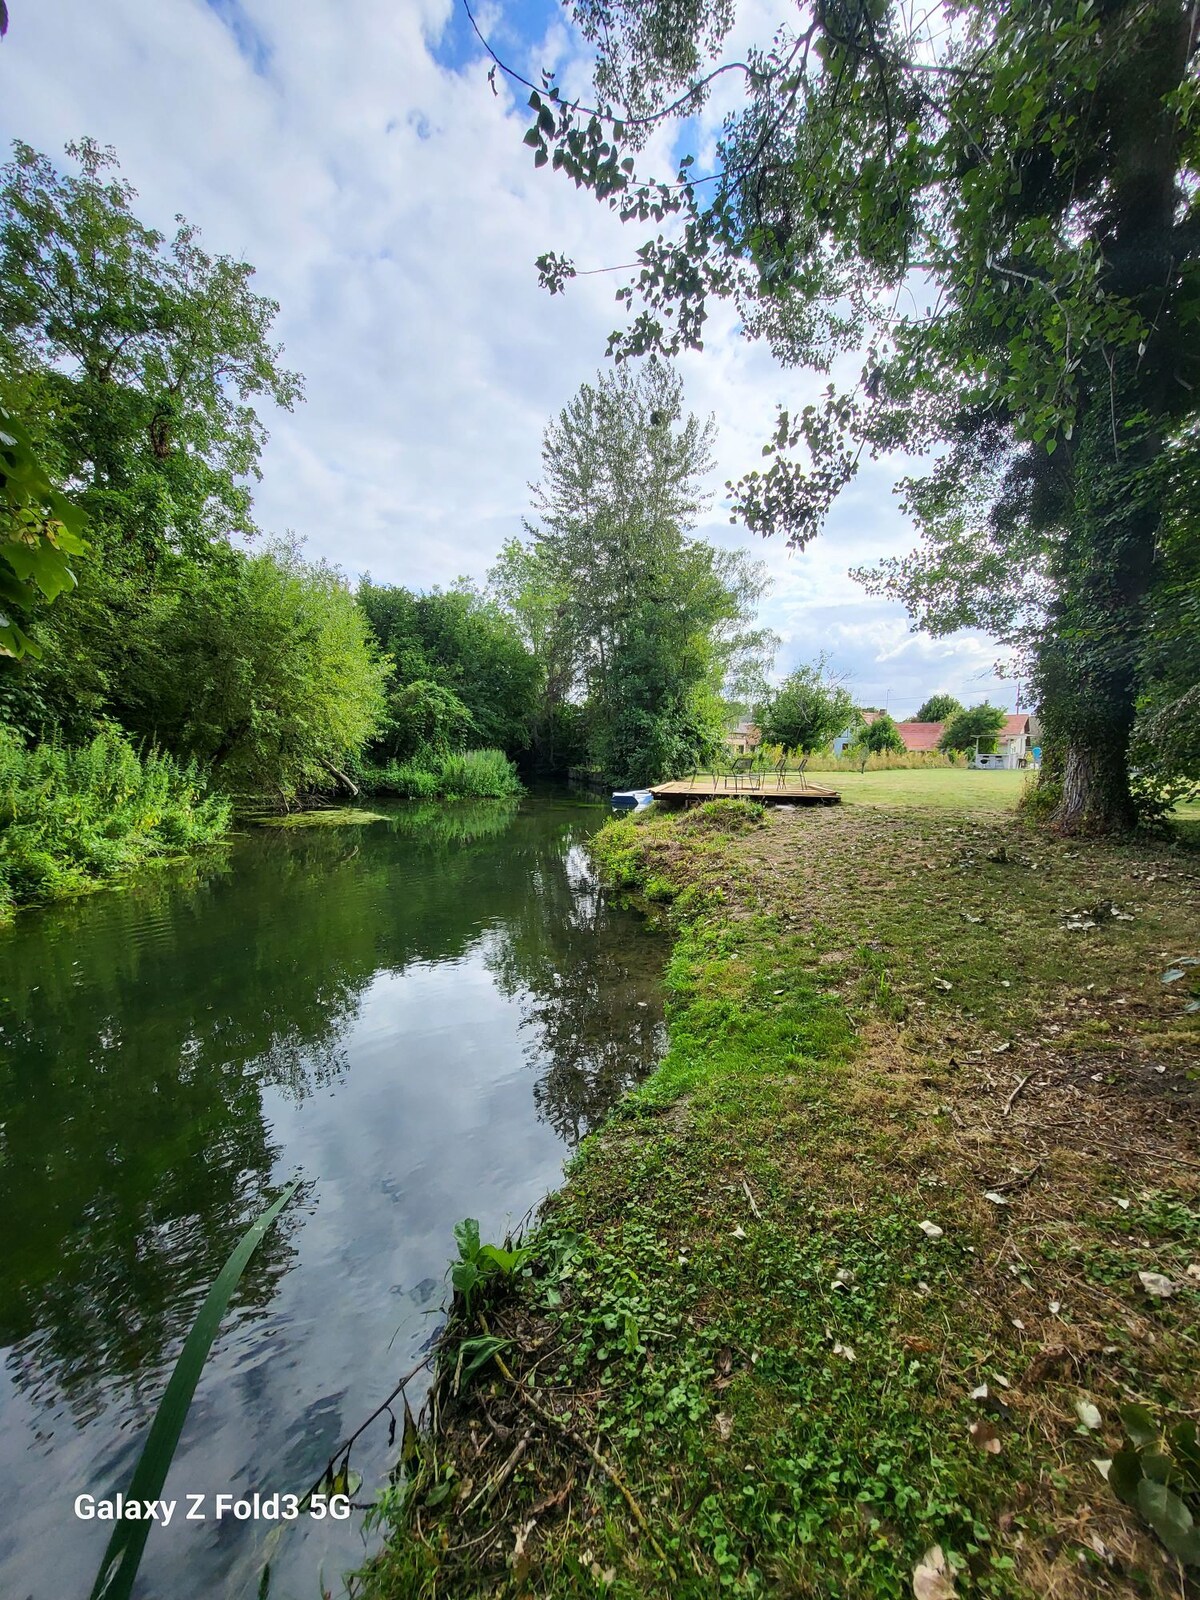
{"x":844,"y":1350}
{"x":724,"y":1424}
{"x":1193,"y":1270}
{"x":1124,"y":1204}
{"x":1055,"y":1307}
{"x":996,"y":1199}
{"x":1156,"y":1285}
{"x":1088,"y":1414}
{"x":981,"y":1393}
{"x":941,"y":983}
{"x":739,"y":1232}
{"x":932,"y":1578}
{"x":931,"y":1230}
{"x":985,"y":1437}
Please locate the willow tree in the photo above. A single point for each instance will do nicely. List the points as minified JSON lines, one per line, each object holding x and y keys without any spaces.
{"x":981,"y":218}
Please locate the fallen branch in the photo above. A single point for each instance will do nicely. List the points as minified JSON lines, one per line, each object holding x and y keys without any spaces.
{"x":491,"y":1489}
{"x":609,"y":1471}
{"x":1008,"y":1104}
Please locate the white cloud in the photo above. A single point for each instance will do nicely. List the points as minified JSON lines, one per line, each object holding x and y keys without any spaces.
{"x":390,"y":207}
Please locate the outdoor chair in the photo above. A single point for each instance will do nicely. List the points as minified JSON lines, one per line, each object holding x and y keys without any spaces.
{"x":747,"y":773}
{"x":784,"y":771}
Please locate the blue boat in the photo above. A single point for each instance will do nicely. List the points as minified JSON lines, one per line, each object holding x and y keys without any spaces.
{"x":632,"y":799}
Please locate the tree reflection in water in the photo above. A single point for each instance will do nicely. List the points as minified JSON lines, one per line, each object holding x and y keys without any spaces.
{"x":141,"y":1032}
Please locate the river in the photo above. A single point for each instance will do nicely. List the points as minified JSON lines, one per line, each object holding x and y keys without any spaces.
{"x":420,"y":1015}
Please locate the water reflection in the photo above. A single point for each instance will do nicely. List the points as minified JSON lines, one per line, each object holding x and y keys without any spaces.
{"x":393,"y":1007}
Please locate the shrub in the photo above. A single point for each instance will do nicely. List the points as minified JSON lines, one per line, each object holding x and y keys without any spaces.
{"x":72,"y":818}
{"x":466,"y":775}
{"x":479,"y":774}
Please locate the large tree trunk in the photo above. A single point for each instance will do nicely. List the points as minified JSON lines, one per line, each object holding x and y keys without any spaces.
{"x":1095,"y":790}
{"x":1105,"y":566}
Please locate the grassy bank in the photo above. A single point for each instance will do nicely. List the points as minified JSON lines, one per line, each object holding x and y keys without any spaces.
{"x":75,"y":818}
{"x":855,"y":1274}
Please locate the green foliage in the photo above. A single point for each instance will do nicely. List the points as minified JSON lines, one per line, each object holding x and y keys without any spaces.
{"x":72,"y":819}
{"x":982,"y":722}
{"x":938,"y":708}
{"x":266,"y":669}
{"x":479,"y":774}
{"x":423,"y":720}
{"x":1036,"y":164}
{"x":648,"y":629}
{"x":478,"y":1264}
{"x":880,"y":737}
{"x":462,"y":643}
{"x":807,"y":711}
{"x":144,"y":356}
{"x":1158,"y":1473}
{"x":40,"y":531}
{"x":465,"y":774}
{"x":119,"y":1568}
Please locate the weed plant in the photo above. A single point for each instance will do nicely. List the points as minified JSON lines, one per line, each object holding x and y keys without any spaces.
{"x":73,"y":818}
{"x":464,"y":775}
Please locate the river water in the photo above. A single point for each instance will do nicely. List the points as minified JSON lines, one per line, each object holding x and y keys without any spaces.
{"x":421,"y":1016}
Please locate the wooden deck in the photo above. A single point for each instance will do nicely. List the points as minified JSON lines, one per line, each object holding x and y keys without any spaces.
{"x":792,"y":792}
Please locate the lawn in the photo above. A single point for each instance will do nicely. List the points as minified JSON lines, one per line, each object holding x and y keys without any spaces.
{"x":852,"y":1298}
{"x":960,"y":787}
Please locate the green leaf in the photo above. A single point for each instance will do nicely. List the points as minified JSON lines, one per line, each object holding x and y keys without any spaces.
{"x":119,"y":1568}
{"x":466,"y":1235}
{"x":480,"y":1351}
{"x":1124,"y":1475}
{"x":1170,"y":1519}
{"x":1138,"y":1424}
{"x":1186,"y":1450}
{"x":533,"y":138}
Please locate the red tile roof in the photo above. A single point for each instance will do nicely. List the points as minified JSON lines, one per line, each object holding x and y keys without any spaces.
{"x":920,"y":735}
{"x":924,"y":736}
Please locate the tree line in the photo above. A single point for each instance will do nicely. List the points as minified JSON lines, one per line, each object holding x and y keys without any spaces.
{"x":143,"y":606}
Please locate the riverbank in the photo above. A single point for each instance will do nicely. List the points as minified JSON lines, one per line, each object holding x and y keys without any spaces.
{"x":856,"y":1275}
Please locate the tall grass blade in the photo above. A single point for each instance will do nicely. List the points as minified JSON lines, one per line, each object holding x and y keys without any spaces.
{"x":119,"y":1568}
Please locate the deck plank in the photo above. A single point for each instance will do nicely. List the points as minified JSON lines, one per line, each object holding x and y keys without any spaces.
{"x":791,"y":792}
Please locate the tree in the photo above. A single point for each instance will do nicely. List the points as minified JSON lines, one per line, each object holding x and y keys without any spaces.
{"x":267,"y":670}
{"x":995,"y":209}
{"x":423,"y":720}
{"x":460,"y":641}
{"x":982,"y":722}
{"x":807,"y":712}
{"x":880,"y":737}
{"x":135,"y":364}
{"x":648,"y":628}
{"x":148,"y":354}
{"x":938,"y":708}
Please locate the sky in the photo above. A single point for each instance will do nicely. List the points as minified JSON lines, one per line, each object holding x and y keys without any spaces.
{"x":354,"y":152}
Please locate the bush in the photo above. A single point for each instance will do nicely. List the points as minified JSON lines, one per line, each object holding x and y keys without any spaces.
{"x":74,"y":818}
{"x":480,"y":775}
{"x":466,"y":775}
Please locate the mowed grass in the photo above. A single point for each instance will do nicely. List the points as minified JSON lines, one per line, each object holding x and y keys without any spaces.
{"x":856,"y":1273}
{"x":960,"y":787}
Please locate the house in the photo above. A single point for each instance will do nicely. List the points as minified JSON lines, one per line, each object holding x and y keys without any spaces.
{"x":1014,"y":741}
{"x":1014,"y":744}
{"x":744,"y":738}
{"x":919,"y":737}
